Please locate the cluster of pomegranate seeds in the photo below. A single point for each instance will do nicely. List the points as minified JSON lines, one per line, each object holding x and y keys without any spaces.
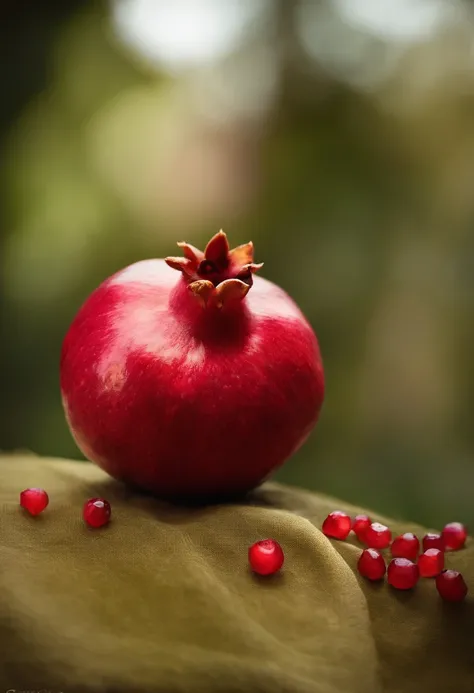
{"x":266,"y":557}
{"x":96,"y":512}
{"x":34,"y":500}
{"x":406,"y":566}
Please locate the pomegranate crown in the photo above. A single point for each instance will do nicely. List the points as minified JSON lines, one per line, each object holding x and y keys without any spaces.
{"x":219,"y":274}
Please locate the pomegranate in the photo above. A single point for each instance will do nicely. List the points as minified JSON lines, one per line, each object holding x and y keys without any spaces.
{"x":191,"y":376}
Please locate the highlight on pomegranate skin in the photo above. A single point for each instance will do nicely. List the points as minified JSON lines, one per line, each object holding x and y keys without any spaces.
{"x":191,"y":376}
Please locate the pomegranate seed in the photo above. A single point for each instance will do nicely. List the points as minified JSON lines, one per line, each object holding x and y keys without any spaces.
{"x":433,"y":541}
{"x":406,"y":546}
{"x":454,"y":536}
{"x":97,"y":512}
{"x":371,"y":564}
{"x":377,"y":536}
{"x":402,"y":574}
{"x":34,"y":500}
{"x":266,"y":557}
{"x":451,"y":586}
{"x":431,"y":563}
{"x":337,"y":525}
{"x":360,"y":525}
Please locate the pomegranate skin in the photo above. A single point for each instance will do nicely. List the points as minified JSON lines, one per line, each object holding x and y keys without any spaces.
{"x":184,"y":400}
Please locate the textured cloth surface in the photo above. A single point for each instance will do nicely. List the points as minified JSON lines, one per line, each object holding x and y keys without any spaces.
{"x":162,"y":600}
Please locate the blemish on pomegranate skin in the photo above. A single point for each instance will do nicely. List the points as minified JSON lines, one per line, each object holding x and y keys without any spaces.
{"x":114,"y":378}
{"x":196,"y":355}
{"x":254,"y":343}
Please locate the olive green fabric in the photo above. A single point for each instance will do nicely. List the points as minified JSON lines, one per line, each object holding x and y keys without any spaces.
{"x":162,"y":600}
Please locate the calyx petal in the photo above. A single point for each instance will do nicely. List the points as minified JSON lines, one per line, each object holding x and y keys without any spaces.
{"x":181,"y":264}
{"x":217,"y":250}
{"x":241,"y":255}
{"x":230,"y":290}
{"x":202,"y":290}
{"x":191,"y":253}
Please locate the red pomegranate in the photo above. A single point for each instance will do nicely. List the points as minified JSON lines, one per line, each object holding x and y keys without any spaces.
{"x":191,"y":376}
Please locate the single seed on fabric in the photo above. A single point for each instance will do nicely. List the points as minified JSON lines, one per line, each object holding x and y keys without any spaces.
{"x":451,"y":586}
{"x":433,"y":541}
{"x":431,"y":563}
{"x":402,"y":574}
{"x":454,"y":536}
{"x":97,"y":512}
{"x":360,"y":524}
{"x":377,"y":536}
{"x":371,"y":564}
{"x":34,"y":500}
{"x":337,"y":525}
{"x":266,"y":557}
{"x":406,"y":546}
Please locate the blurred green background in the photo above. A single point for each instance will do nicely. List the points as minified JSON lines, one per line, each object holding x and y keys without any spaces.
{"x":338,"y":135}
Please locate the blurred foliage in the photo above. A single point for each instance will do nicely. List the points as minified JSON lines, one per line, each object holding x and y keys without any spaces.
{"x":341,"y":143}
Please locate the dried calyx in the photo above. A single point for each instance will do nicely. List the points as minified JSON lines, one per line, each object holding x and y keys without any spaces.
{"x":217,"y":275}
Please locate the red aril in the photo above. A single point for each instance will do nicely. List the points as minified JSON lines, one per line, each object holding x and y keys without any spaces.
{"x":377,"y":536}
{"x":451,"y":586}
{"x":433,"y":541}
{"x":96,"y":512}
{"x":360,"y":524}
{"x":371,"y":564}
{"x":337,"y":525}
{"x":34,"y":500}
{"x":405,"y":546}
{"x":431,"y":563}
{"x":402,"y":574}
{"x":454,"y":536}
{"x":266,"y":557}
{"x":191,"y":376}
